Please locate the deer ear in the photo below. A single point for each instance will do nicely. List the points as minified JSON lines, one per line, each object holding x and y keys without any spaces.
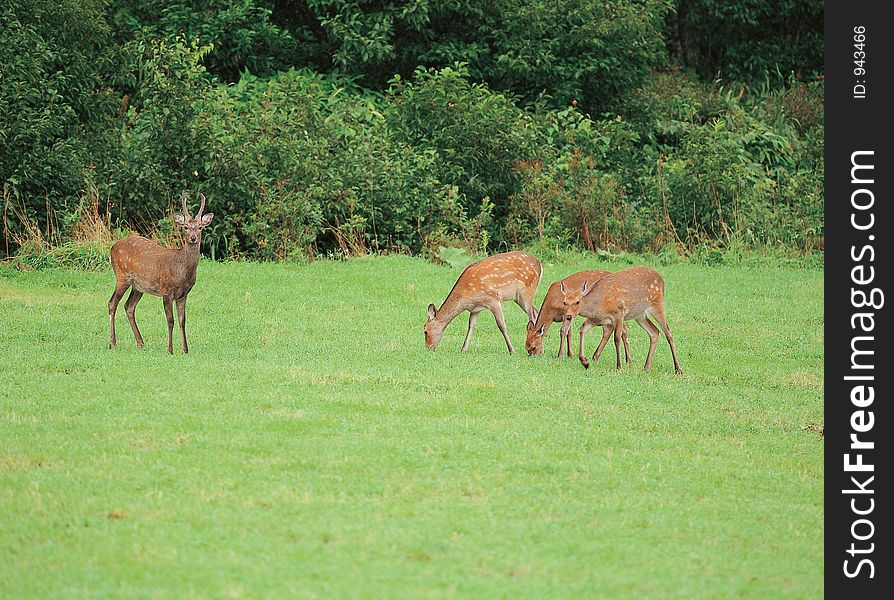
{"x":206,"y":219}
{"x":180,"y":220}
{"x":530,"y":325}
{"x":542,"y":330}
{"x":590,"y":287}
{"x":583,"y":290}
{"x":432,"y":312}
{"x":562,"y":286}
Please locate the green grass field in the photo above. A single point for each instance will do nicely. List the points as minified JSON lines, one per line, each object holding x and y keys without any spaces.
{"x":308,"y":446}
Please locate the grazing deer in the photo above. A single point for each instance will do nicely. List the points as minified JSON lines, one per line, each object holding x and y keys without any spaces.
{"x":559,"y":296}
{"x":159,"y":271}
{"x":486,"y":284}
{"x":633,"y":294}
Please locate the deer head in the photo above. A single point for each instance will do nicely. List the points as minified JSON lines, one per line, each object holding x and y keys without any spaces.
{"x":434,"y":329}
{"x":534,"y":339}
{"x":193,"y":225}
{"x":571,"y":299}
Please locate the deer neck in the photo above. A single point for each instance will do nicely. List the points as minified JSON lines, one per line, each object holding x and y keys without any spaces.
{"x":591,"y":306}
{"x":545,"y":317}
{"x":188,"y":257}
{"x":448,"y":311}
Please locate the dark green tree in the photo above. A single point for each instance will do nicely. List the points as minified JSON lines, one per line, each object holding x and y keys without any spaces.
{"x":56,"y":62}
{"x":241,"y":34}
{"x":747,"y":40}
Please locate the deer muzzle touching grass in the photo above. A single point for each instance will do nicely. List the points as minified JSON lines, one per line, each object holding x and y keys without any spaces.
{"x":146,"y":267}
{"x":554,"y":310}
{"x":634,"y":294}
{"x":486,"y":284}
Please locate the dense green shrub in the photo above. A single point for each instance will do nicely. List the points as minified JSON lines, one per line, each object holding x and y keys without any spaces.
{"x":239,"y":35}
{"x":55,"y":57}
{"x":595,"y":51}
{"x":290,"y":164}
{"x":554,"y":130}
{"x":298,"y":151}
{"x":478,"y":135}
{"x":159,"y":147}
{"x":570,"y":200}
{"x":747,"y":40}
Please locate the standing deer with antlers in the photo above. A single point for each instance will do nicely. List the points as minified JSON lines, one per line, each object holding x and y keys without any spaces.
{"x":485,"y":285}
{"x":159,"y":271}
{"x":561,"y":295}
{"x":634,"y":294}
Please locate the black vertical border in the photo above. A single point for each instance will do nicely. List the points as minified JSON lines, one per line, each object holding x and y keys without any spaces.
{"x":857,"y":124}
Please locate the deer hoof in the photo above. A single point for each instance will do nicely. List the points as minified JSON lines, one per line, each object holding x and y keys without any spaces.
{"x":678,"y":371}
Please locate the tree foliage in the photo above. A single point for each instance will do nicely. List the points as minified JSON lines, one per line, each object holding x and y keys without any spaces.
{"x":748,"y":40}
{"x":55,"y":96}
{"x":344,"y":126}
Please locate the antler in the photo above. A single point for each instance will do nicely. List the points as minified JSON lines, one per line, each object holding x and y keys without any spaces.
{"x":202,"y":207}
{"x":185,"y":210}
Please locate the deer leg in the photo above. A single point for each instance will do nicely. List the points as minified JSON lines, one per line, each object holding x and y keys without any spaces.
{"x":527,"y":304}
{"x":626,"y":343}
{"x":130,"y":308}
{"x":473,"y":317}
{"x":181,"y":315}
{"x":169,"y":314}
{"x":564,"y":338}
{"x":606,"y":333}
{"x":568,"y":340}
{"x":618,"y":325}
{"x":497,"y":309}
{"x":653,"y":339}
{"x":563,"y":335}
{"x":120,"y":288}
{"x":580,"y":352}
{"x":662,"y":321}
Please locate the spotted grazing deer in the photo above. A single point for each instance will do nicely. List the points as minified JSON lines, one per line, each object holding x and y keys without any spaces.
{"x":486,"y":284}
{"x":553,"y":311}
{"x":634,"y":294}
{"x":159,"y":271}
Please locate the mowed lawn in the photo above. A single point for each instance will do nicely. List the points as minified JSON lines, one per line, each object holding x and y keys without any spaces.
{"x":309,"y":446}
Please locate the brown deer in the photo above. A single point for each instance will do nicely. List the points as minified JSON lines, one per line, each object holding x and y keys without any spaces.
{"x":553,"y":310}
{"x":159,"y":271}
{"x":486,"y":284}
{"x":634,"y":294}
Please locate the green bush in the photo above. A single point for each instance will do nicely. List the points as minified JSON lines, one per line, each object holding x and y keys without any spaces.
{"x":591,"y":50}
{"x":239,"y":36}
{"x":158,"y":150}
{"x":747,"y":40}
{"x":571,"y":201}
{"x":722,"y":183}
{"x":55,"y":58}
{"x":555,"y":131}
{"x":289,"y":162}
{"x":737,"y":166}
{"x":477,"y":135}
